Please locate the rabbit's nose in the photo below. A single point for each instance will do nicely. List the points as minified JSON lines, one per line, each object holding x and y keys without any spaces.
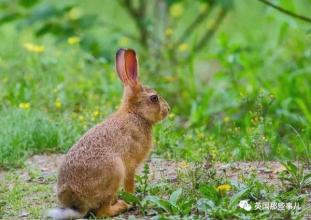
{"x":168,"y":108}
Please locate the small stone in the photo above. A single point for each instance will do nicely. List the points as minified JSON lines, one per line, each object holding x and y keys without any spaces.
{"x":24,"y":214}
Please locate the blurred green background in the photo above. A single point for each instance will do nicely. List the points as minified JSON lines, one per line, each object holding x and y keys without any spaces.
{"x":237,"y":75}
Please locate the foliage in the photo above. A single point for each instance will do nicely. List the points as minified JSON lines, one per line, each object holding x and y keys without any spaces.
{"x":231,"y":103}
{"x":236,"y":74}
{"x":29,"y":132}
{"x":217,"y":198}
{"x":163,"y":200}
{"x":295,"y":176}
{"x":25,"y":199}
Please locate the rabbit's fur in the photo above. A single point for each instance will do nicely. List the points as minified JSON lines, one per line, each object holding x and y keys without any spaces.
{"x":107,"y":156}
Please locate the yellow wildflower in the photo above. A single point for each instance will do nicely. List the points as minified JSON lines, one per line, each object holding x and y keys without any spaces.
{"x":75,"y":13}
{"x":183,"y":165}
{"x":201,"y":135}
{"x":123,"y":41}
{"x":73,"y":40}
{"x":34,"y":48}
{"x":168,"y":31}
{"x":226,"y":119}
{"x":171,"y":116}
{"x":96,"y":113}
{"x":24,"y":105}
{"x":183,"y":47}
{"x":58,"y":104}
{"x":213,"y":153}
{"x":81,"y":118}
{"x":223,"y":188}
{"x":176,"y":10}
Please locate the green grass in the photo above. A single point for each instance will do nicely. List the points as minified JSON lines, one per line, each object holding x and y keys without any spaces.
{"x":30,"y":132}
{"x":253,"y":105}
{"x":246,"y":96}
{"x":254,"y":118}
{"x":195,"y":194}
{"x":28,"y":194}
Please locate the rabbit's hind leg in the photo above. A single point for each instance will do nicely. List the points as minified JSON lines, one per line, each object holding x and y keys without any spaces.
{"x":110,"y":205}
{"x":119,"y":207}
{"x":108,"y":210}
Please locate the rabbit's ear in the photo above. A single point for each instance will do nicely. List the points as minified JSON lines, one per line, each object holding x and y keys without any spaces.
{"x":127,"y":67}
{"x":120,"y":64}
{"x":131,"y":66}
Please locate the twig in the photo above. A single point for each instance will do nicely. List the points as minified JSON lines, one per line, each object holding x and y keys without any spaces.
{"x":118,"y":29}
{"x":301,"y":17}
{"x":142,"y":7}
{"x":138,"y":15}
{"x":189,"y":30}
{"x":210,"y":32}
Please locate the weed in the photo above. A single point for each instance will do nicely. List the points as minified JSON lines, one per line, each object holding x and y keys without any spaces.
{"x":294,"y":176}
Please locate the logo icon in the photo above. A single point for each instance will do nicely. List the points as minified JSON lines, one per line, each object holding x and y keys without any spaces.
{"x":245,"y":205}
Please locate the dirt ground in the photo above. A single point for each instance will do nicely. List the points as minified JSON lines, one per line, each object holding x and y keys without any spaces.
{"x":160,"y":169}
{"x":166,"y":169}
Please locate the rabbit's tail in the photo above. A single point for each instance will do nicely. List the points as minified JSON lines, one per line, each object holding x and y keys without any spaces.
{"x":64,"y":213}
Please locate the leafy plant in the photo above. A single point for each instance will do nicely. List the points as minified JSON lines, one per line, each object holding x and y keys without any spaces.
{"x":294,"y":176}
{"x":173,"y":205}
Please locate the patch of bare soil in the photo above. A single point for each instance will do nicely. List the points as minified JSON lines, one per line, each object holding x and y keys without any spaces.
{"x":165,"y":169}
{"x":265,"y":171}
{"x":161,"y":170}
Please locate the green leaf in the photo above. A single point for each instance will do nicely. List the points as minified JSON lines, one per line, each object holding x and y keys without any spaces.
{"x":292,"y":168}
{"x":282,"y":32}
{"x":209,"y":192}
{"x":235,"y":199}
{"x":160,"y":203}
{"x":204,"y":204}
{"x":8,"y":17}
{"x":227,"y":4}
{"x":304,"y":109}
{"x":28,"y":3}
{"x":186,"y":206}
{"x":288,"y":4}
{"x":307,"y":180}
{"x":175,"y":196}
{"x":170,"y":2}
{"x":130,"y":198}
{"x":165,"y":204}
{"x":153,"y":199}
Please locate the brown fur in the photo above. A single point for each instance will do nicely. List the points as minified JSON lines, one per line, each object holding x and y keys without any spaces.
{"x":107,"y":156}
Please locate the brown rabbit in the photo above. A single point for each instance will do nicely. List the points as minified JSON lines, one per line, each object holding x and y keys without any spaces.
{"x":107,"y":156}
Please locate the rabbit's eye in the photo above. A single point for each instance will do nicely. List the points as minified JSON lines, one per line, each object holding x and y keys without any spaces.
{"x":154,"y":98}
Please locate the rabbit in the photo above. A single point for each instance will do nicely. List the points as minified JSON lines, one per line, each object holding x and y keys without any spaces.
{"x":107,"y":156}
